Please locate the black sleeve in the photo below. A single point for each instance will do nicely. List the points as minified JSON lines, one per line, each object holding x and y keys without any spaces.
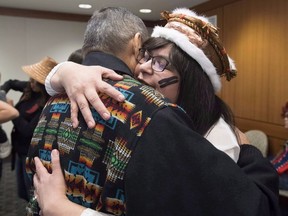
{"x":261,"y":172}
{"x":3,"y":96}
{"x":174,"y":171}
{"x":15,"y":85}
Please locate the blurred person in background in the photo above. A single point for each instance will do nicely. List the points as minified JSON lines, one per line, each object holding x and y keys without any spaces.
{"x":29,"y":106}
{"x":280,"y":161}
{"x":76,"y":56}
{"x":7,"y":113}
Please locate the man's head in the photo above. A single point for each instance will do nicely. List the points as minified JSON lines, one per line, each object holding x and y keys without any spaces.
{"x":116,"y":31}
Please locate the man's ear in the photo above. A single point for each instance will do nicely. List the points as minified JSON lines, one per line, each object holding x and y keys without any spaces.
{"x":137,"y":43}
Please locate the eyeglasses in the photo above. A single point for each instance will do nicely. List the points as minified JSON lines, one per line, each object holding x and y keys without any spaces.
{"x":158,"y":63}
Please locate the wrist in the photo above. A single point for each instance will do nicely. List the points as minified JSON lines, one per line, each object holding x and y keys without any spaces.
{"x":50,"y":88}
{"x":91,"y":212}
{"x":62,"y":207}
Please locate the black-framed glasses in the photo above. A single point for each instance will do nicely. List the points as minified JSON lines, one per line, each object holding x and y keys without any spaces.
{"x":158,"y":63}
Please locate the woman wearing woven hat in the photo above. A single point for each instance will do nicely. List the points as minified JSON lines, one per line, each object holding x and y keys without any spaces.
{"x":30,"y":105}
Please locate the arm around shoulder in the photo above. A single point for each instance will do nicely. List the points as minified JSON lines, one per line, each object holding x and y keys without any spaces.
{"x":262,"y":173}
{"x":175,"y":171}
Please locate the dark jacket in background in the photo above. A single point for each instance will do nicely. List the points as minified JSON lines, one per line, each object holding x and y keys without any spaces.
{"x":24,"y":125}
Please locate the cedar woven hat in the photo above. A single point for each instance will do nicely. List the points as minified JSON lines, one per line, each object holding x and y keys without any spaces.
{"x":196,"y":36}
{"x":40,"y":70}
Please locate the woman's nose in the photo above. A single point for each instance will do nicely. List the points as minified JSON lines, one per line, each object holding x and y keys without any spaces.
{"x":146,"y":67}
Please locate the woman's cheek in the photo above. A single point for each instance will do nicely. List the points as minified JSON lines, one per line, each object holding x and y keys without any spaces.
{"x":137,"y":71}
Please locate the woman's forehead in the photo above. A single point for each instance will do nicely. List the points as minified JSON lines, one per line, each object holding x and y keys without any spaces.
{"x":164,"y":51}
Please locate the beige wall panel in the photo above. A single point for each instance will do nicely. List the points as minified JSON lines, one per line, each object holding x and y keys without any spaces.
{"x":254,"y":33}
{"x":244,"y":35}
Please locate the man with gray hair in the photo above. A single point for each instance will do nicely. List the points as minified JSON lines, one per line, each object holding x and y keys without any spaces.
{"x":136,"y":162}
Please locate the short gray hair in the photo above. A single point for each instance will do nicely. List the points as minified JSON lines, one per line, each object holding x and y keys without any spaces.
{"x":110,"y":29}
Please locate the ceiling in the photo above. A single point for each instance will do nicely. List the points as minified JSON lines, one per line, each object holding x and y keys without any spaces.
{"x":71,"y":6}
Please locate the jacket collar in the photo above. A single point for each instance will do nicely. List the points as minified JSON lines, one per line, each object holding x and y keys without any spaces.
{"x":108,"y":61}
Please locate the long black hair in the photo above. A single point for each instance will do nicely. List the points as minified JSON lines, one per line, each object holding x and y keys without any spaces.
{"x":196,"y":93}
{"x":28,"y":93}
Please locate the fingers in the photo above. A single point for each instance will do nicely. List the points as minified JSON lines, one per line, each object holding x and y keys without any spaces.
{"x":98,"y":105}
{"x":40,"y":169}
{"x":48,"y":186}
{"x":91,"y":96}
{"x":82,"y":104}
{"x":83,"y":92}
{"x":35,"y":181}
{"x":74,"y":114}
{"x":106,"y":88}
{"x":111,"y":91}
{"x":41,"y":172}
{"x":242,"y":137}
{"x":56,"y":167}
{"x":110,"y":74}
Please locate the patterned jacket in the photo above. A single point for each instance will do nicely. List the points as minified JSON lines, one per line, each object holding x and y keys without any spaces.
{"x":94,"y":160}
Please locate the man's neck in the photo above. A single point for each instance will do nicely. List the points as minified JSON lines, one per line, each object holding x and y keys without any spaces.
{"x":108,"y":61}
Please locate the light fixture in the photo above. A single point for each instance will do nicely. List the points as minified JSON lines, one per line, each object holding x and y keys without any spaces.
{"x":85,"y":6}
{"x":145,"y":10}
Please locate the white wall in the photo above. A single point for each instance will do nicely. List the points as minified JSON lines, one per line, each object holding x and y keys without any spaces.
{"x":24,"y":41}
